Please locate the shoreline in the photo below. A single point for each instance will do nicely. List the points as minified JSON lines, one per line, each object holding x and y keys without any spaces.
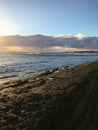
{"x":56,"y":100}
{"x":16,"y":78}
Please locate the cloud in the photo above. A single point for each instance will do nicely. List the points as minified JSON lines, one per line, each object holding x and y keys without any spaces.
{"x":64,"y":35}
{"x":80,"y":36}
{"x":43,"y":43}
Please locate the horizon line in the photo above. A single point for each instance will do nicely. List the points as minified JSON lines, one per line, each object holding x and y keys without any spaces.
{"x":55,"y":35}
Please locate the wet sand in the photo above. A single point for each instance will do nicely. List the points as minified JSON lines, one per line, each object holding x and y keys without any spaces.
{"x":65,"y":99}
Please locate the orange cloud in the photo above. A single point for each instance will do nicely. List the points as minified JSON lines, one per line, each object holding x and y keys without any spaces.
{"x":15,"y":49}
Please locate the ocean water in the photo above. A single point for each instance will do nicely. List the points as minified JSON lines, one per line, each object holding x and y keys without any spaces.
{"x":24,"y":65}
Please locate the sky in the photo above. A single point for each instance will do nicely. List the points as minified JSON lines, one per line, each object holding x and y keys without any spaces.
{"x":48,"y":25}
{"x":49,"y":17}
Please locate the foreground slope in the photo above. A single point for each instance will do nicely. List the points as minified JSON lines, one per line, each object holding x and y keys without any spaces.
{"x":61,"y":100}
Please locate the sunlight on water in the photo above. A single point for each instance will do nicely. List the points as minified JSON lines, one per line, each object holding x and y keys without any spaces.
{"x":23,"y":65}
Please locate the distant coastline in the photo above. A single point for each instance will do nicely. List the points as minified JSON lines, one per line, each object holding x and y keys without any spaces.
{"x":91,"y":51}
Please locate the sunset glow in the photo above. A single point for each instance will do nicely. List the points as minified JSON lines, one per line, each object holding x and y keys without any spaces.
{"x":14,"y":49}
{"x":5,"y":28}
{"x":48,"y":26}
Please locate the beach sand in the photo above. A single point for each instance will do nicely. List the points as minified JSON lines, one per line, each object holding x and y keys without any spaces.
{"x":65,"y":99}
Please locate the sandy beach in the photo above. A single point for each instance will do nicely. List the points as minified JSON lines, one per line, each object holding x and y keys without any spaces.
{"x":64,"y":99}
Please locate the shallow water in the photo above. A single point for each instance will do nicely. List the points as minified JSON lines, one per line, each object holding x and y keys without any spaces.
{"x":24,"y":65}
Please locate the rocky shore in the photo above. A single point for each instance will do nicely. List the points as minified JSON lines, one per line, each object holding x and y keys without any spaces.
{"x":65,"y":99}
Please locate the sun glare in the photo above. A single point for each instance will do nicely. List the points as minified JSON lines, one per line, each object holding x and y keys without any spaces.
{"x":5,"y":28}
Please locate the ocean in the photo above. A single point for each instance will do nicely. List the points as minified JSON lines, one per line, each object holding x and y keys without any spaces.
{"x":24,"y":65}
